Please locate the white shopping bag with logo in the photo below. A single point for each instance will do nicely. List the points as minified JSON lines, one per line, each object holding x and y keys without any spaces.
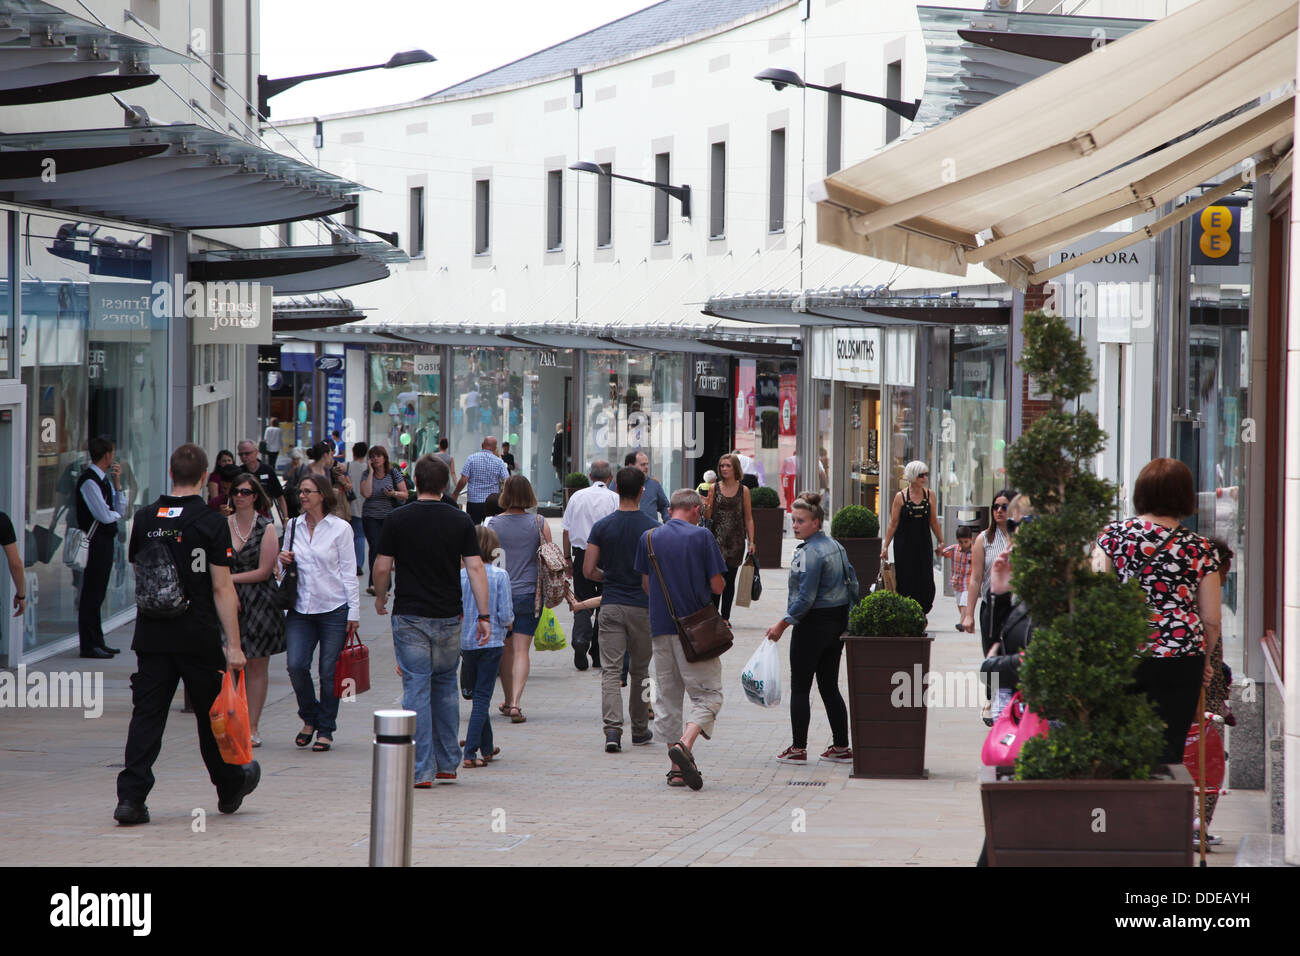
{"x":761,"y":678}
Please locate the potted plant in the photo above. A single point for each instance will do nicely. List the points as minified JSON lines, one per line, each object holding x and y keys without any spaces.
{"x":769,"y":526}
{"x":888,"y":655}
{"x":575,"y":481}
{"x":858,"y":529}
{"x":1087,"y":793}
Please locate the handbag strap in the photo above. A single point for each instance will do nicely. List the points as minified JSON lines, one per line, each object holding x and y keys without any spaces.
{"x":654,"y":562}
{"x":1174,"y":533}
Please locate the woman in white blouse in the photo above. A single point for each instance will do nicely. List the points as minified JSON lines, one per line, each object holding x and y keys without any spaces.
{"x":328,"y":608}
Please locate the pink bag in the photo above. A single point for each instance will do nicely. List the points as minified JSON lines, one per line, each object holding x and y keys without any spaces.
{"x":1014,"y":726}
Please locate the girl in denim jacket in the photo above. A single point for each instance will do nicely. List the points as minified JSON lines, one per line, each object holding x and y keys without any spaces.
{"x":823,"y":587}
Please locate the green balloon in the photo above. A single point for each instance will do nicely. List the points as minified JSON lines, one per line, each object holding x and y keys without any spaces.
{"x":514,"y":439}
{"x":999,"y":444}
{"x":406,"y":438}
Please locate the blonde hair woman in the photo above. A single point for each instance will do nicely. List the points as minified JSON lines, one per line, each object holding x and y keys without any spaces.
{"x":913,"y":514}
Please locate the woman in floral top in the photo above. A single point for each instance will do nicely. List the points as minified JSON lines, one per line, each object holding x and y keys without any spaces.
{"x":1178,"y":570}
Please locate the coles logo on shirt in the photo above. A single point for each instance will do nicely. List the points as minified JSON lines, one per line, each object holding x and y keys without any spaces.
{"x":169,"y":512}
{"x":230,"y":553}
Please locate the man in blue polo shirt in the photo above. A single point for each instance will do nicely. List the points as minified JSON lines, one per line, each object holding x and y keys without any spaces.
{"x":484,"y":472}
{"x":690,"y":567}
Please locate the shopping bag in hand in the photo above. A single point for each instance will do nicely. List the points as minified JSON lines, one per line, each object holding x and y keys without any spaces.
{"x":745,"y":585}
{"x":549,"y":635}
{"x":761,"y":678}
{"x":352,"y":670}
{"x":229,"y":717}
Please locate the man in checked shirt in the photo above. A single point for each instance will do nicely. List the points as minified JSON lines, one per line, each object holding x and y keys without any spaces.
{"x":960,"y":555}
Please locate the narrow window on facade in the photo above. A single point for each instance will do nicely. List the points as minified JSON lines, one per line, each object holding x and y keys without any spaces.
{"x":605,"y":207}
{"x":417,"y":221}
{"x":834,"y":129}
{"x":662,"y":172}
{"x":217,"y":42}
{"x":554,"y":210}
{"x":286,"y":233}
{"x":718,"y":190}
{"x":482,"y":206}
{"x":776,"y":182}
{"x":893,"y":90}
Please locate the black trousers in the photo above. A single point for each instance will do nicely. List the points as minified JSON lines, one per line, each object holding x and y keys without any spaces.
{"x":724,"y":600}
{"x":815,"y":649}
{"x":1174,"y":685}
{"x":586,"y":624}
{"x":94,"y":587}
{"x":986,"y":624}
{"x":477,"y":510}
{"x":153,"y":686}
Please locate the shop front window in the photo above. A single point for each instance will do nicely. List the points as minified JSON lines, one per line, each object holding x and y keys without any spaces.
{"x":633,"y":402}
{"x":824,"y":392}
{"x":766,"y":419}
{"x":405,"y":398}
{"x":93,"y":357}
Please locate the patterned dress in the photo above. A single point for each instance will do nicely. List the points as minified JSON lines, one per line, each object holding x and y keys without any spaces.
{"x":261,"y":625}
{"x":729,"y":524}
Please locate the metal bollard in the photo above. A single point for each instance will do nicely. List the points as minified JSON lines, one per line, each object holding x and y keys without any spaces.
{"x":391,"y":786}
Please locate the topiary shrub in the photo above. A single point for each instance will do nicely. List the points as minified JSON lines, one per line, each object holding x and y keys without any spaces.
{"x":887,"y":614}
{"x":577,"y":479}
{"x":763,"y":497}
{"x":1088,"y":628}
{"x":855,"y":521}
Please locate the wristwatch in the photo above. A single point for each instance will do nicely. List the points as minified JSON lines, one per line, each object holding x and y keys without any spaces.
{"x":485,"y":617}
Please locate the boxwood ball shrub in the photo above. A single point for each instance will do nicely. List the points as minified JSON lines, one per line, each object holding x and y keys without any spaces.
{"x":577,"y":479}
{"x":855,"y":521}
{"x":887,"y":614}
{"x":1088,"y":628}
{"x":764,"y":497}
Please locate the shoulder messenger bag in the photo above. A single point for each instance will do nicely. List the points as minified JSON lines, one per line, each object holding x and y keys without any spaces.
{"x":704,"y":634}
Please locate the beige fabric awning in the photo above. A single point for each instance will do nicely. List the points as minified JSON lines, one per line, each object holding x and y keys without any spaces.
{"x":1078,"y":149}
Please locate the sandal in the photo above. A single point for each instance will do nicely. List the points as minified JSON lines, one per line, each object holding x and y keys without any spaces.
{"x":517,"y":716}
{"x":504,"y":710}
{"x":675,"y":779}
{"x":474,"y":762}
{"x":304,"y":738}
{"x":681,"y":755}
{"x":496,"y":752}
{"x":321,"y":745}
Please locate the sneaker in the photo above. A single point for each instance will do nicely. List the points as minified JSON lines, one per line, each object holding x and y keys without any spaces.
{"x":129,"y":814}
{"x":424,"y":785}
{"x":445,"y":776}
{"x":642,"y":739}
{"x":793,"y":755}
{"x":613,"y":740}
{"x":838,"y":754}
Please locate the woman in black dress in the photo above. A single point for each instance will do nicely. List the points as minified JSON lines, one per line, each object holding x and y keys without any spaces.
{"x":261,"y":624}
{"x":912,"y":516}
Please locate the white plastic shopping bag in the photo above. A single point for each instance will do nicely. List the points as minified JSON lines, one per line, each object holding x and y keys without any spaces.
{"x":761,"y":678}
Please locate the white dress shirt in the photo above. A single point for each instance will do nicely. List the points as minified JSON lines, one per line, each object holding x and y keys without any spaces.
{"x":327,"y":566}
{"x":94,"y":499}
{"x":585,"y":508}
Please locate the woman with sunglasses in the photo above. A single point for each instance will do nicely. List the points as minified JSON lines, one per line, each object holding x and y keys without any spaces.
{"x":913,"y":515}
{"x":224,"y":457}
{"x":984,"y":551}
{"x":328,"y":608}
{"x":261,"y":623}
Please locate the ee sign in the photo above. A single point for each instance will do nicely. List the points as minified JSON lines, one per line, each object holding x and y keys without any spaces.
{"x":1216,"y":236}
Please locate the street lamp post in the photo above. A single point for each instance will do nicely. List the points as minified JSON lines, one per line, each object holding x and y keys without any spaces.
{"x":780,"y":79}
{"x":680,"y":193}
{"x":267,"y":88}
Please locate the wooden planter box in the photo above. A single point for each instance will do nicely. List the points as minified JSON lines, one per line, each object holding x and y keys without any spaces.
{"x":888,"y":739}
{"x":1088,"y":822}
{"x":769,"y":532}
{"x":864,"y":555}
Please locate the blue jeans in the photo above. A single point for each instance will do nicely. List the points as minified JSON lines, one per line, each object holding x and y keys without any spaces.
{"x":359,"y":539}
{"x":428,"y":650}
{"x":478,"y":670}
{"x":302,"y":633}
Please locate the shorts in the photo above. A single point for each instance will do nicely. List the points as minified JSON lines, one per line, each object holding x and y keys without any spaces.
{"x":961,"y":598}
{"x":525,"y":619}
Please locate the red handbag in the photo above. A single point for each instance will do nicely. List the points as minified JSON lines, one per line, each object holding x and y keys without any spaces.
{"x":353,"y":665}
{"x":1016,"y":724}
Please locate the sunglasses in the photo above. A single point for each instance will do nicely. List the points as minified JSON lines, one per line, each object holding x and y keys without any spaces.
{"x":1013,"y":523}
{"x":244,"y":492}
{"x":1000,"y":507}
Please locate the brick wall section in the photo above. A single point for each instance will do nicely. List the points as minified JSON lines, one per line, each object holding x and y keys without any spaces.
{"x":1032,"y":409}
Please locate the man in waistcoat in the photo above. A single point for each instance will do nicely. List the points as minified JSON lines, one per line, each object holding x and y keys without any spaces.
{"x":100,"y":499}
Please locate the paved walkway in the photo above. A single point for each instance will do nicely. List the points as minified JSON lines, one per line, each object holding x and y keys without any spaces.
{"x":553,"y":797}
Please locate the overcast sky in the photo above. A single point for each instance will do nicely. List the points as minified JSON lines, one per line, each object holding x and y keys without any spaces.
{"x":468,"y":38}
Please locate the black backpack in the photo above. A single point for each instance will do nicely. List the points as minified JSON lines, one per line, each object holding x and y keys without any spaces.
{"x":159,"y":587}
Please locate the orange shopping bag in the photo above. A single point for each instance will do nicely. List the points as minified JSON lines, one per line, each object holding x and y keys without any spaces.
{"x":229,"y":716}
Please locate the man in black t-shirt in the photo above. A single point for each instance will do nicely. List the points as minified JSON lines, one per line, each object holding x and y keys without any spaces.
{"x":427,"y":613}
{"x":186,"y":647}
{"x":265,"y":476}
{"x":9,"y":542}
